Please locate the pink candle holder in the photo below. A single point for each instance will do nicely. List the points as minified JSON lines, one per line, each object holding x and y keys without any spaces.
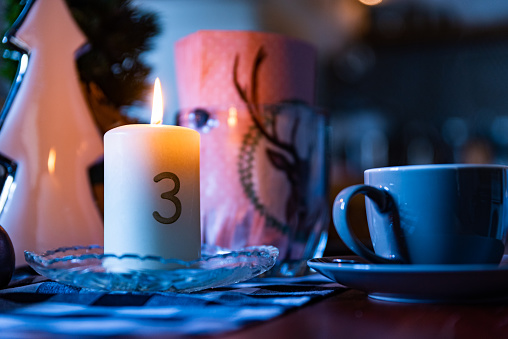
{"x":263,"y":163}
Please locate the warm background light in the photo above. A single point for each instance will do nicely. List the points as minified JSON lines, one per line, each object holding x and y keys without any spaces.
{"x":370,"y":2}
{"x":157,"y":107}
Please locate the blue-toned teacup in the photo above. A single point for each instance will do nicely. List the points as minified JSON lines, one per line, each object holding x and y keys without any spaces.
{"x":430,"y":214}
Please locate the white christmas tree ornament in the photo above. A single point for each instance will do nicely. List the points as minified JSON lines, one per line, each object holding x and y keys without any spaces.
{"x":48,"y":138}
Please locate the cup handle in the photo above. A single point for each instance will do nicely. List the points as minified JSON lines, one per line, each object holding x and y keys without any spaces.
{"x":384,"y":203}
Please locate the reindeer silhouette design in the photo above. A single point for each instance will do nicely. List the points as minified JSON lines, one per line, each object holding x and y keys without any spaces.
{"x":283,"y":155}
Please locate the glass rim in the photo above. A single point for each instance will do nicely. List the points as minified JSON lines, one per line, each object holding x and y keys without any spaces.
{"x":225,"y":107}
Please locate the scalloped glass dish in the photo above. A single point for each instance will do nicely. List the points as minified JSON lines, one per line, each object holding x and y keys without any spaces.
{"x":84,"y":266}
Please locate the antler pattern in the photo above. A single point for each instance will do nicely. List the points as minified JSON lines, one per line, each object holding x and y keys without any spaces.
{"x":253,"y":106}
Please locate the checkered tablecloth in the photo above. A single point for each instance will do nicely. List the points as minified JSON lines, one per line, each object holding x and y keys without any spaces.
{"x":35,"y":306}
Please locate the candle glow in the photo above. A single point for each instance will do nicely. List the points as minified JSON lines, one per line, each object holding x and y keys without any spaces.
{"x":157,"y":106}
{"x":51,"y":160}
{"x":232,"y":117}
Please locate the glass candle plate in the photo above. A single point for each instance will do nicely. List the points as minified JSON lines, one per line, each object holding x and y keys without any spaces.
{"x":87,"y":267}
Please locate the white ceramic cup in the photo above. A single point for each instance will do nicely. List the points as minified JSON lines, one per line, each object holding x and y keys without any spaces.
{"x":430,"y":214}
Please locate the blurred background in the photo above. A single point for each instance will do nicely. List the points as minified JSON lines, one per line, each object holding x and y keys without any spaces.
{"x":404,"y":81}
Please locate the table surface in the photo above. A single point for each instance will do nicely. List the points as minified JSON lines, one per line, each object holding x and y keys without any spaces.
{"x":352,"y":314}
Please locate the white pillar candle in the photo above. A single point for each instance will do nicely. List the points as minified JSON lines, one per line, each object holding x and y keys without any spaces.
{"x":151,"y":192}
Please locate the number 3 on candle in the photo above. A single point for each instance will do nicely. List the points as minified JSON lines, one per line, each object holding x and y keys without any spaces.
{"x":171,"y":196}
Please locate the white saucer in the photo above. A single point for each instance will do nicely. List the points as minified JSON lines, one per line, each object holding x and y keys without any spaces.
{"x":418,"y":283}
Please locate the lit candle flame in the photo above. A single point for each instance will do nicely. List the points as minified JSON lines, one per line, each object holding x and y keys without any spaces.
{"x":157,"y":107}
